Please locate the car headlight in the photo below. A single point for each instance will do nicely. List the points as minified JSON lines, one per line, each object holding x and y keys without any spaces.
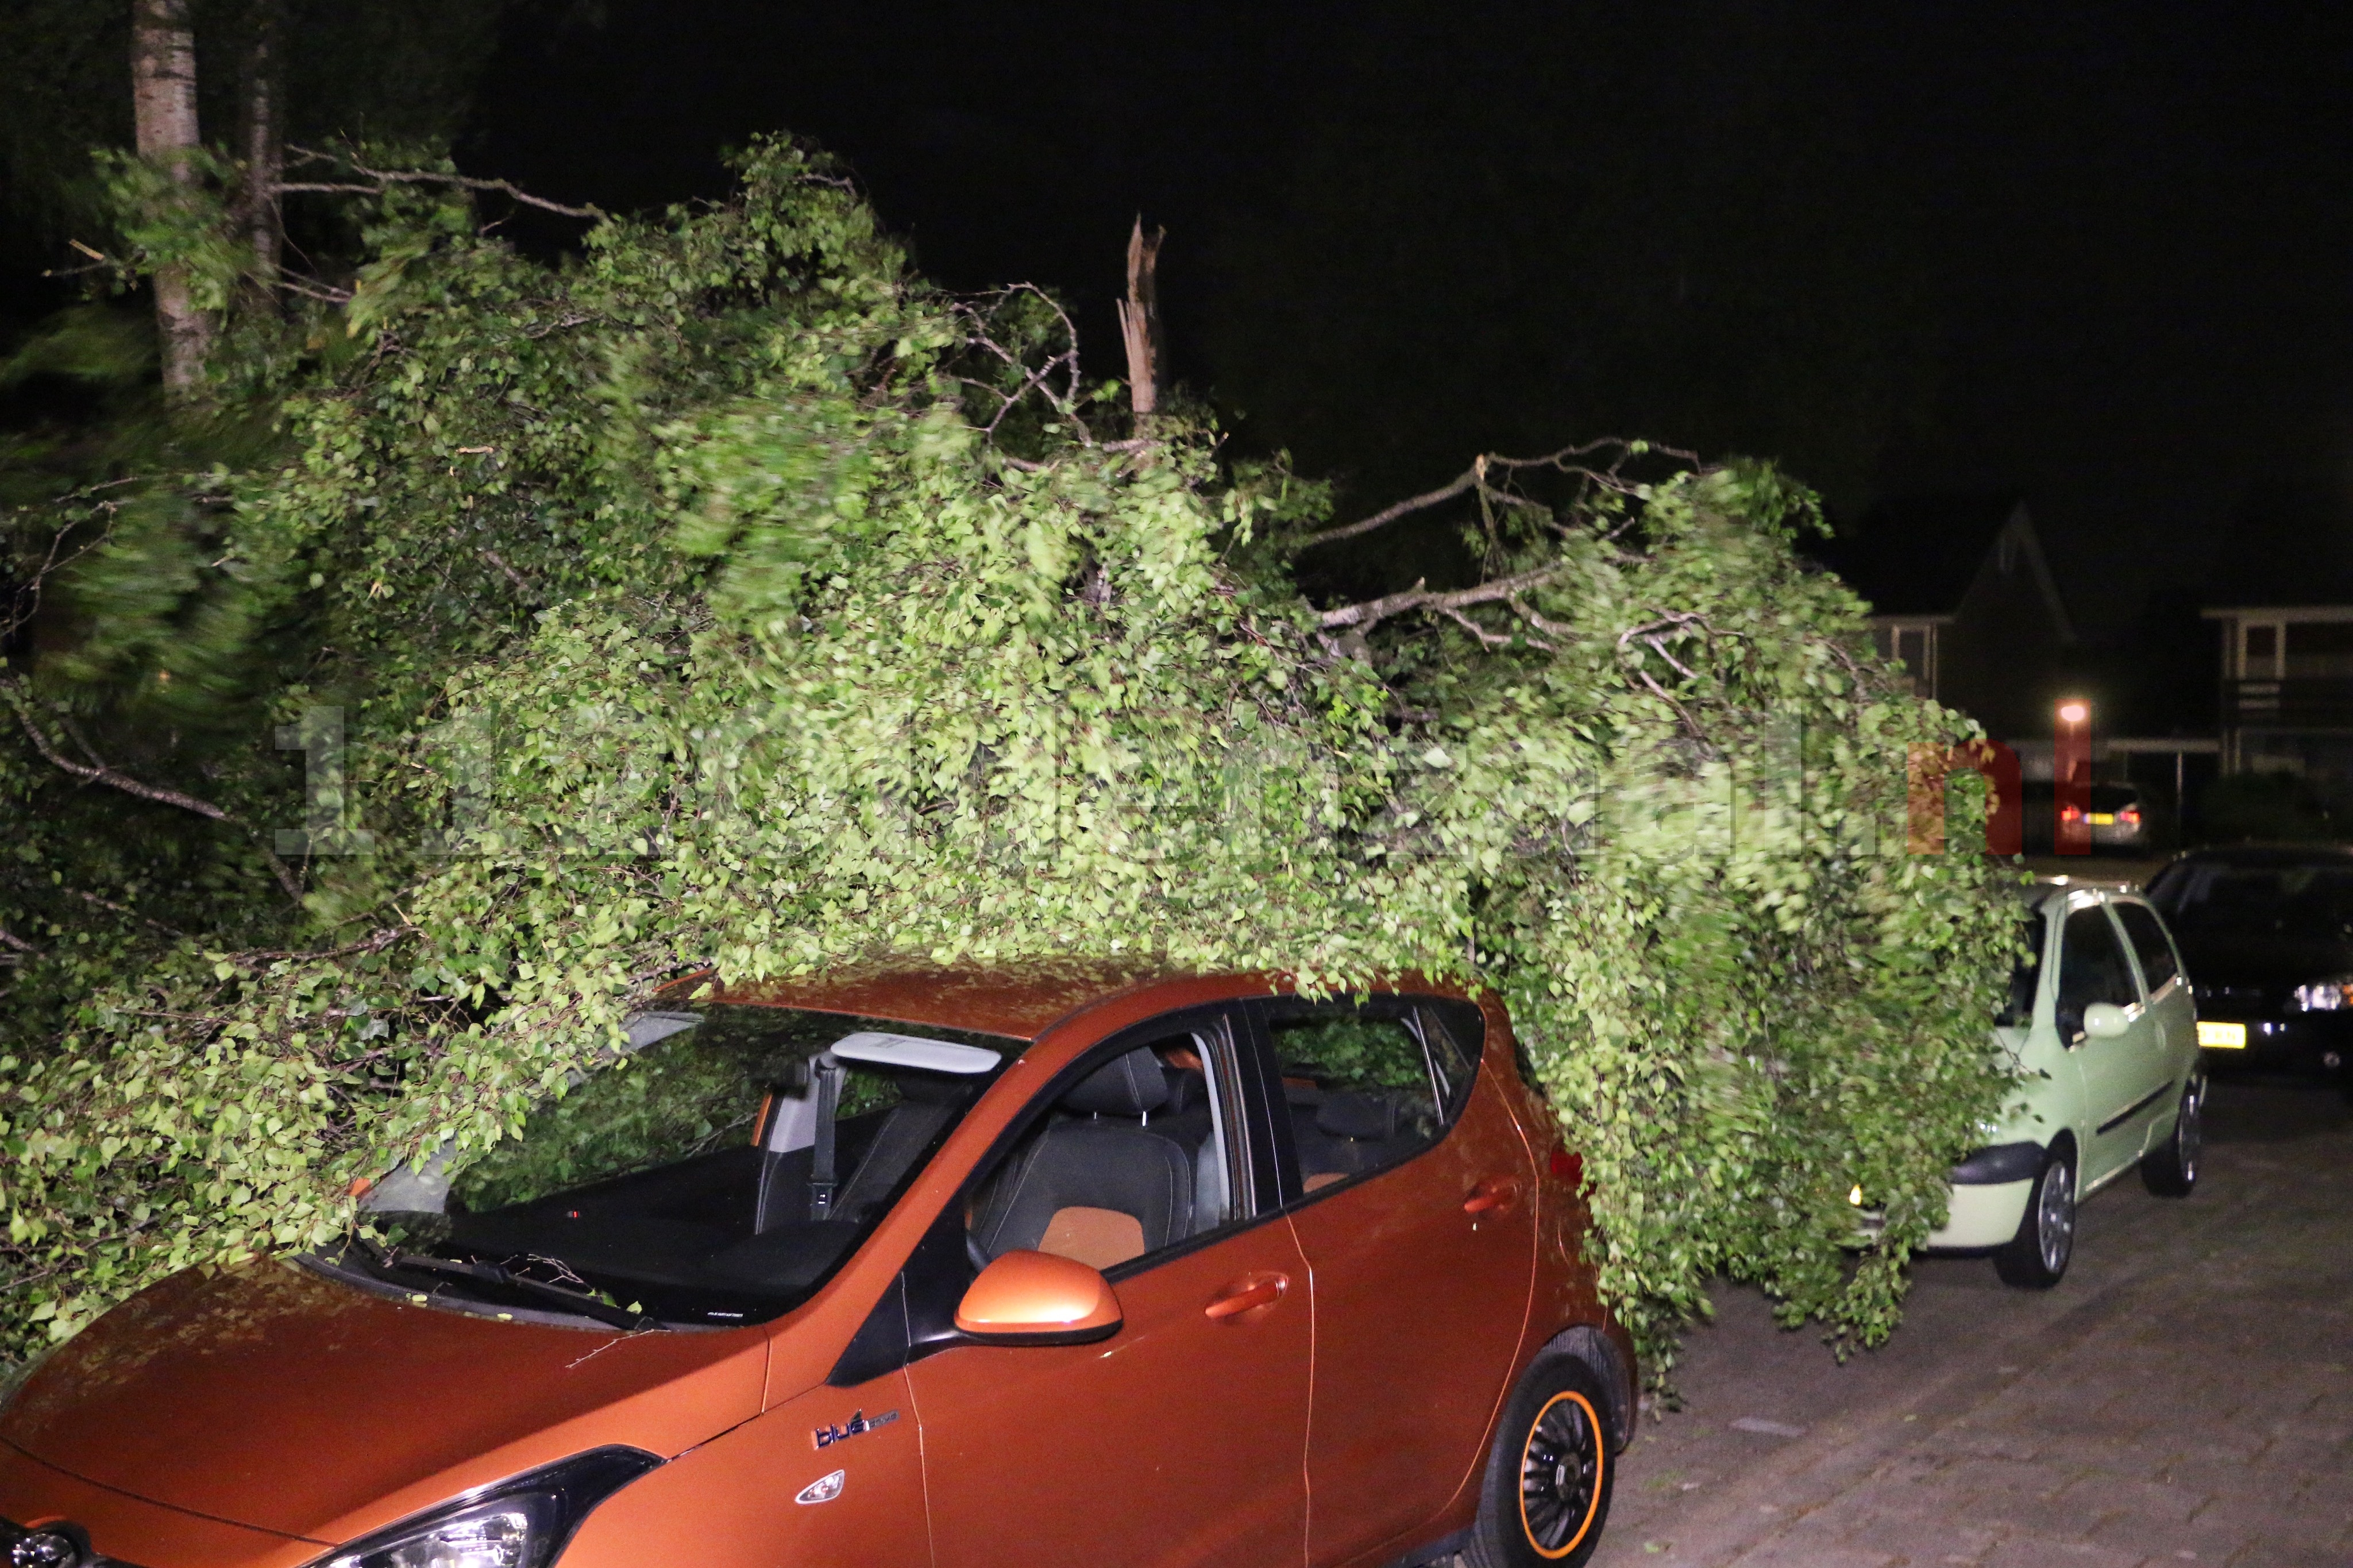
{"x":2325,"y":996}
{"x":520,"y":1523}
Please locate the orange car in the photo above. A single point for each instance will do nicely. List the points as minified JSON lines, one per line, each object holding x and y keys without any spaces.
{"x":1021,"y":1266}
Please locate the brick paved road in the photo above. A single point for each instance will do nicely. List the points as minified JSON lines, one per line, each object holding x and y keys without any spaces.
{"x":2185,"y":1396}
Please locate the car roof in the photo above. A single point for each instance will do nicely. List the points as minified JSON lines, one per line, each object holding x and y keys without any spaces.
{"x":2047,"y":891}
{"x":1019,"y":999}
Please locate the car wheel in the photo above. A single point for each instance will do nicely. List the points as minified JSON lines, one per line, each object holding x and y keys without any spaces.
{"x":2037,"y":1257}
{"x":2170,"y":1170}
{"x":1548,"y":1478}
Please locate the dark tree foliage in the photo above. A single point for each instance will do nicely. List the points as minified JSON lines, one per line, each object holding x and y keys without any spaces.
{"x":395,"y":72}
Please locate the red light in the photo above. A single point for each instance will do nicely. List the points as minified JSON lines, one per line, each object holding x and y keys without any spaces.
{"x":2070,"y":814}
{"x":2129,"y":818}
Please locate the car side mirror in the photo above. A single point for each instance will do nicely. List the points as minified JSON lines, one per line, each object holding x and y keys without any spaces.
{"x":1037,"y":1299}
{"x":2106,"y":1021}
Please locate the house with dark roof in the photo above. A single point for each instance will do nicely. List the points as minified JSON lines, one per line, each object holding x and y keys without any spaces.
{"x":1960,"y":592}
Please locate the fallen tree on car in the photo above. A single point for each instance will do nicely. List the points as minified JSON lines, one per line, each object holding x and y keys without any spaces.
{"x":729,"y":597}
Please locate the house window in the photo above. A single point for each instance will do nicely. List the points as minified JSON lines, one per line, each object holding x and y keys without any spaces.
{"x":2259,"y":651}
{"x":1913,"y":644}
{"x":2317,"y":650}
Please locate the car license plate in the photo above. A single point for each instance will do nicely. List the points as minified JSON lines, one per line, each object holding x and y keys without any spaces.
{"x":2222,"y":1036}
{"x":2100,"y":819}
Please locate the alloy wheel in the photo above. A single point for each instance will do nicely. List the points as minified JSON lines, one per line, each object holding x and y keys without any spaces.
{"x":1560,"y":1475}
{"x":2056,"y":1215}
{"x":2190,"y":1131}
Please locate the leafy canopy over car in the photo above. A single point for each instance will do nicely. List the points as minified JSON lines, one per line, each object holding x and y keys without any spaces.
{"x":726,"y":595}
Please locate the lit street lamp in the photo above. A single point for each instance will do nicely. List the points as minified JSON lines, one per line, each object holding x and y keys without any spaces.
{"x":2071,"y":776}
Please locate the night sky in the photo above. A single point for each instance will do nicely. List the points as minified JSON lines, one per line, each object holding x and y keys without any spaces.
{"x":2102,"y":260}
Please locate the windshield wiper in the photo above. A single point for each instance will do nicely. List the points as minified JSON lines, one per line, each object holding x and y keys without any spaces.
{"x":491,"y":1274}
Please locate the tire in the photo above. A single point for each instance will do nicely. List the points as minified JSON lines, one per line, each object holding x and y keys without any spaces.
{"x":2038,"y":1256}
{"x":2170,"y":1170}
{"x":1547,"y":1493}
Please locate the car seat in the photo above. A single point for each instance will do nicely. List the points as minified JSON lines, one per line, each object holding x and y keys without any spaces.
{"x":1096,"y":1184}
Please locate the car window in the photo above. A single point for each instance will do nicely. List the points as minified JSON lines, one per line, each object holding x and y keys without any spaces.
{"x":2025,"y":973}
{"x":1366,"y":1082}
{"x":2091,"y":969}
{"x":719,"y":1175}
{"x":1135,"y":1157}
{"x":2147,"y":934}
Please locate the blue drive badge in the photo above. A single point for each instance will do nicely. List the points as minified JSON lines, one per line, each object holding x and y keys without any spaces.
{"x":858,"y":1424}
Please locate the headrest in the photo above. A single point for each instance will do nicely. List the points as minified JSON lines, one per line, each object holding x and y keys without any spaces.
{"x":1187,"y":1089}
{"x":1364,"y":1117}
{"x":1129,"y":1084}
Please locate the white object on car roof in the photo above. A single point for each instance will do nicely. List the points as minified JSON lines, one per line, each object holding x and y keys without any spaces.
{"x":876,"y":1048}
{"x":644,"y":1028}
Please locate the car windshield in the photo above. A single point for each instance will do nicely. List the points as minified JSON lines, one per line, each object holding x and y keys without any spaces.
{"x":2025,"y":974}
{"x":2310,"y":900}
{"x":715,"y":1172}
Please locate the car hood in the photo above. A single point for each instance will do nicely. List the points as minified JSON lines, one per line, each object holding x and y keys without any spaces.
{"x":268,"y":1396}
{"x":2272,"y":962}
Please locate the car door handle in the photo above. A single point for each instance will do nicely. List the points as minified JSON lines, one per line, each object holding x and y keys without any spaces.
{"x":1494,"y":1196}
{"x":1243,"y":1295}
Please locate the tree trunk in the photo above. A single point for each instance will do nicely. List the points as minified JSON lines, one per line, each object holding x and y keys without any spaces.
{"x":1139,"y":325}
{"x":163,"y":106}
{"x":265,"y":150}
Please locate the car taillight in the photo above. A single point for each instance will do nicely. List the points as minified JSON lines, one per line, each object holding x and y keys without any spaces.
{"x":2070,"y":814}
{"x":2129,"y":816}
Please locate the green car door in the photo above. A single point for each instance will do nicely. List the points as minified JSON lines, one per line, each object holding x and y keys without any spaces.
{"x":2122,"y":1070}
{"x":2172,"y":1015}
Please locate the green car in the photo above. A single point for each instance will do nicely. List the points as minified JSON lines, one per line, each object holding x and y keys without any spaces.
{"x":2101,"y":1020}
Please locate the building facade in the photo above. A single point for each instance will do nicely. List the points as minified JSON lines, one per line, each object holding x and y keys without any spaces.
{"x":2287,"y":689}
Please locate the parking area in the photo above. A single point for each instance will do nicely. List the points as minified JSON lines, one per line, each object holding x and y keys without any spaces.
{"x":2186,"y":1395}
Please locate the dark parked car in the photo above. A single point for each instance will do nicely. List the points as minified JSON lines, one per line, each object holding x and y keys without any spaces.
{"x":2113,"y":817}
{"x":2268,"y":935}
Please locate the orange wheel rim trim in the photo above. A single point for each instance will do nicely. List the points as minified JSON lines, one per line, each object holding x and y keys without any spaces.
{"x":1600,"y":1459}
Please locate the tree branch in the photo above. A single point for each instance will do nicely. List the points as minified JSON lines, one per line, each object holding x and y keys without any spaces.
{"x":14,"y":943}
{"x":522,"y":584}
{"x":1567,"y":460}
{"x":97,"y":770}
{"x":100,"y":772}
{"x":325,"y":293}
{"x":419,"y":178}
{"x":1371,"y":613}
{"x":1443,"y":493}
{"x":111,"y":905}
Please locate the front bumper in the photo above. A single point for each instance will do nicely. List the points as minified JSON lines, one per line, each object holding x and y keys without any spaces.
{"x":124,"y":1529}
{"x":1990,"y":1190}
{"x":1983,"y":1216}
